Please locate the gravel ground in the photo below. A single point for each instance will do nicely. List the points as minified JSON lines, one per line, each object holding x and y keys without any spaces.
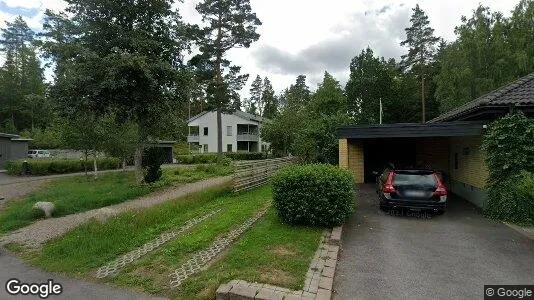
{"x":16,"y":190}
{"x":43,"y":230}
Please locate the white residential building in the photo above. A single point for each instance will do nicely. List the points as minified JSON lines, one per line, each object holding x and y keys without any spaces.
{"x":240,"y":132}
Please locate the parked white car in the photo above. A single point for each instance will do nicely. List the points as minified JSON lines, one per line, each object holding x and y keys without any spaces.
{"x":38,"y":153}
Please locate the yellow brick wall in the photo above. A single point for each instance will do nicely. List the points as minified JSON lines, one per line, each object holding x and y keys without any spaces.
{"x":433,"y":151}
{"x":343,"y":154}
{"x":351,"y":158}
{"x":356,"y":160}
{"x":471,"y":167}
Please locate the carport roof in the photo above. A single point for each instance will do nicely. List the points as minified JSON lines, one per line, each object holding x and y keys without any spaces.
{"x":399,"y":130}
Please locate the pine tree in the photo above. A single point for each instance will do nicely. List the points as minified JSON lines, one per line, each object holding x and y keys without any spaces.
{"x":421,"y":44}
{"x":230,"y":24}
{"x":21,"y":86}
{"x":255,"y":105}
{"x":269,"y":100}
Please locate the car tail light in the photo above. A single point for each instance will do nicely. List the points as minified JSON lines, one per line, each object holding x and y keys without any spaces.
{"x":440,"y":190}
{"x":388,"y":185}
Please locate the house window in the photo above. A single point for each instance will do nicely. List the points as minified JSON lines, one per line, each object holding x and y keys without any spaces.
{"x":229,"y":130}
{"x":205,"y":130}
{"x":229,"y":148}
{"x":456,"y":161}
{"x":205,"y":148}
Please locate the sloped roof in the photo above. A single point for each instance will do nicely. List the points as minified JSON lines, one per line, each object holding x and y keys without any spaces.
{"x":517,"y":93}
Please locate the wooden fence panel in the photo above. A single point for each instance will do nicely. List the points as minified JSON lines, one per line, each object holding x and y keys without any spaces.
{"x":251,"y":174}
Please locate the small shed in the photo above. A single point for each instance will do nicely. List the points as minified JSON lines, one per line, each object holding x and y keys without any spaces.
{"x":12,"y":146}
{"x":167,"y":148}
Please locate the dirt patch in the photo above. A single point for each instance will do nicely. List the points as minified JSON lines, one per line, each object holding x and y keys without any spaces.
{"x":208,"y":292}
{"x":282,"y":251}
{"x":276,"y":277}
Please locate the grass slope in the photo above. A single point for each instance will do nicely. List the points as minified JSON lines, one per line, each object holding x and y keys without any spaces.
{"x":80,"y":193}
{"x":270,"y":252}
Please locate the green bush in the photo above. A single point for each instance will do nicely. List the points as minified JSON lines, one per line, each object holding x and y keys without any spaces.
{"x":513,"y":201}
{"x":48,"y":166}
{"x":317,"y":195}
{"x":153,"y":158}
{"x":509,"y":153}
{"x":212,"y":157}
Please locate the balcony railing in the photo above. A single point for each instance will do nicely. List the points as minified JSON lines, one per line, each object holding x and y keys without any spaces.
{"x":247,"y":137}
{"x":193,"y":138}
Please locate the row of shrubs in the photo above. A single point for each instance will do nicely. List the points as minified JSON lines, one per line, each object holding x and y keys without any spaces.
{"x":315,"y":195}
{"x":59,"y":166}
{"x":212,"y":157}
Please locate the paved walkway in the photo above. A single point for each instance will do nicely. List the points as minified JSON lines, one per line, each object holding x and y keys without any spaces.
{"x":43,"y":230}
{"x":13,"y":267}
{"x":447,"y":257}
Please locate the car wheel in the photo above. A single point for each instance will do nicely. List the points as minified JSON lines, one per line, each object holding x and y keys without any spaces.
{"x":384,"y":208}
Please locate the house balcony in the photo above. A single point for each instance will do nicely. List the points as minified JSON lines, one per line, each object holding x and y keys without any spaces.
{"x":193,"y":139}
{"x":248,"y":137}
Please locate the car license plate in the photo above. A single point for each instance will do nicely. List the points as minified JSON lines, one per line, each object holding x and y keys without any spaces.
{"x":415,"y":194}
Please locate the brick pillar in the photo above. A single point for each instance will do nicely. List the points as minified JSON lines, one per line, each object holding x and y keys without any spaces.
{"x":343,"y":154}
{"x":355,"y":160}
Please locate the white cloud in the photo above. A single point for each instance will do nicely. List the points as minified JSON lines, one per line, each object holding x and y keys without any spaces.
{"x":314,"y":36}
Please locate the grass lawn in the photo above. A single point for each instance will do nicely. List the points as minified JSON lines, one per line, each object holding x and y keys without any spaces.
{"x":269,"y":252}
{"x":80,"y":193}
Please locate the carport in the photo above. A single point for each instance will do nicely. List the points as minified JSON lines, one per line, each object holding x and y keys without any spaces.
{"x":452,"y":148}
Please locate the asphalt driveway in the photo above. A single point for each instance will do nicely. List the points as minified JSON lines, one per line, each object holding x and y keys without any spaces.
{"x":446,"y":257}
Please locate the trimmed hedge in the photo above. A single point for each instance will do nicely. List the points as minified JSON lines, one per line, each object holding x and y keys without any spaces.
{"x":316,"y":194}
{"x":59,"y":166}
{"x":212,"y":157}
{"x":513,"y":201}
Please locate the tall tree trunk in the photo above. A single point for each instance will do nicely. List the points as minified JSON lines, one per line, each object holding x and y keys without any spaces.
{"x":95,"y":166}
{"x":219,"y":89}
{"x":422,"y":76}
{"x":138,"y":160}
{"x":423,"y":98}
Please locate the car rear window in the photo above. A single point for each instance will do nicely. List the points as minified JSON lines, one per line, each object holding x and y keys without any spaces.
{"x":423,"y":179}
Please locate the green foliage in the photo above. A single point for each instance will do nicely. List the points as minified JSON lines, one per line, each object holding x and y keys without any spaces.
{"x":254,"y":104}
{"x":509,"y":152}
{"x":212,"y":158}
{"x":48,"y":166}
{"x":317,"y":195}
{"x":490,"y":51}
{"x":153,"y":158}
{"x":48,"y":138}
{"x":22,"y":90}
{"x":509,"y":148}
{"x":306,"y":127}
{"x":269,"y":100}
{"x":421,"y":43}
{"x":513,"y":200}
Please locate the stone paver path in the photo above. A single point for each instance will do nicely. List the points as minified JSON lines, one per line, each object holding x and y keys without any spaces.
{"x":112,"y":268}
{"x":41,"y":231}
{"x":202,"y":258}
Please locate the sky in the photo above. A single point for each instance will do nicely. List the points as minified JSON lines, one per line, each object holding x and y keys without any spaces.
{"x":309,"y":36}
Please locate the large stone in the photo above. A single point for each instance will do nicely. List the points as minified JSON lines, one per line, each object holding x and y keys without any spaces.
{"x":47,"y":207}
